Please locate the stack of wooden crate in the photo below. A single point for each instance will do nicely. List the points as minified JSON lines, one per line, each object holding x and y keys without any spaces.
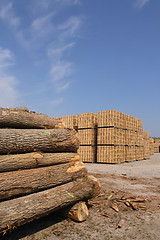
{"x":146,"y":147}
{"x":111,"y":137}
{"x":120,"y":137}
{"x":87,"y":127}
{"x":157,"y":145}
{"x":133,"y":138}
{"x":151,"y":145}
{"x":70,"y":121}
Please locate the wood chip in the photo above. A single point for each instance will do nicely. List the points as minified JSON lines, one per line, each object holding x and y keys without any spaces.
{"x":106,"y":215}
{"x":115,"y":207}
{"x":121,"y":223}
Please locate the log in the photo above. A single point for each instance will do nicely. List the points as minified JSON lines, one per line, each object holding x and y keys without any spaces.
{"x":18,"y":183}
{"x":14,"y":162}
{"x":30,"y":140}
{"x":18,"y":211}
{"x":78,"y":212}
{"x":21,"y":118}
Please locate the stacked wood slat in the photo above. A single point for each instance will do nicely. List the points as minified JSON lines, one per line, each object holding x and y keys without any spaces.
{"x":146,"y":147}
{"x":119,"y":131}
{"x":87,"y":132}
{"x":133,"y":138}
{"x":119,"y":137}
{"x":157,"y":145}
{"x":151,"y":146}
{"x":70,"y":121}
{"x":40,"y":170}
{"x":111,"y":137}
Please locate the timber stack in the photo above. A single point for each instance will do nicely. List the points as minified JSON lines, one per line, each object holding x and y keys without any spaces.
{"x":87,"y":132}
{"x":40,"y":170}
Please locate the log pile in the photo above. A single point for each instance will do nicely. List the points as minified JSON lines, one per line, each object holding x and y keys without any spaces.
{"x":40,"y":170}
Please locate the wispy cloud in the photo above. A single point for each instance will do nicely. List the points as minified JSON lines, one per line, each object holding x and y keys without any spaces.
{"x":70,"y":27}
{"x":7,"y":14}
{"x":61,"y":70}
{"x":6,"y":58}
{"x":141,"y":3}
{"x":9,"y":95}
{"x":58,"y":51}
{"x":42,"y":25}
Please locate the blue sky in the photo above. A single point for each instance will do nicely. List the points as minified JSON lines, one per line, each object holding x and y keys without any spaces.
{"x":62,"y":57}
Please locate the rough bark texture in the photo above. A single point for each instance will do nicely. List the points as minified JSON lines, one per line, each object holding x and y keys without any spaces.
{"x":14,"y":162}
{"x":78,"y":212}
{"x":29,"y":140}
{"x":24,"y":209}
{"x":18,"y":183}
{"x":19,"y":118}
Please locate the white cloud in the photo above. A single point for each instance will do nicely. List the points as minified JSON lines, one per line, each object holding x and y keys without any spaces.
{"x":141,"y":3}
{"x":60,"y":71}
{"x":7,"y":14}
{"x":6,"y":58}
{"x":70,"y":27}
{"x":9,"y":95}
{"x":42,"y":25}
{"x":56,"y":51}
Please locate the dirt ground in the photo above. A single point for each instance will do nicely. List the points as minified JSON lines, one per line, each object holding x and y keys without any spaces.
{"x":127,"y":208}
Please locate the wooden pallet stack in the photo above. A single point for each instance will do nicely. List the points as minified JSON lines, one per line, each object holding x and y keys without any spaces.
{"x":111,"y":137}
{"x":87,"y":132}
{"x":146,"y":147}
{"x":157,"y":145}
{"x":133,"y":138}
{"x":70,"y":121}
{"x":151,"y":145}
{"x":40,"y":170}
{"x":120,"y":137}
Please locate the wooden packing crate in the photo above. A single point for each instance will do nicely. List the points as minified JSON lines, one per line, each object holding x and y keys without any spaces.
{"x":111,"y":136}
{"x":87,"y":153}
{"x":70,"y":121}
{"x":87,"y":120}
{"x":87,"y":136}
{"x":139,"y":152}
{"x":111,"y":118}
{"x":156,"y":149}
{"x":131,"y":137}
{"x":132,"y":123}
{"x":110,"y":154}
{"x":145,"y":134}
{"x":151,"y":145}
{"x":130,"y":153}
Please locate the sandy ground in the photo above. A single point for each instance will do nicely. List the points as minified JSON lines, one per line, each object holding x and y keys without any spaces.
{"x":127,"y":208}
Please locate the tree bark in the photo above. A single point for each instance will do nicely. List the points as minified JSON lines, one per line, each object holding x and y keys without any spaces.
{"x":18,"y":211}
{"x":78,"y":212}
{"x":18,"y":183}
{"x":17,"y":118}
{"x":14,"y":162}
{"x":30,"y":140}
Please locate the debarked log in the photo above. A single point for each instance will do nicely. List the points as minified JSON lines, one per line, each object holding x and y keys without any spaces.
{"x":21,"y":210}
{"x":18,"y":183}
{"x":14,"y":118}
{"x":30,"y":140}
{"x":14,"y":162}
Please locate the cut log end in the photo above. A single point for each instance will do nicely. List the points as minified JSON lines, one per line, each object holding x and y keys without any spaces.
{"x":78,"y":212}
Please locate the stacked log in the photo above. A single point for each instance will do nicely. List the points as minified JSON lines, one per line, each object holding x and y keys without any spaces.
{"x":40,"y":170}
